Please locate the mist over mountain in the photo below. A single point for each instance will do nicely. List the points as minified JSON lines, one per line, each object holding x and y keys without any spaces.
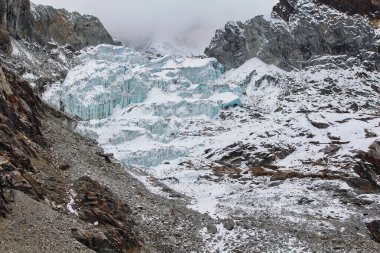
{"x":188,"y":25}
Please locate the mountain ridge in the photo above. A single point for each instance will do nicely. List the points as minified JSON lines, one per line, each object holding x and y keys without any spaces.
{"x":297,"y":32}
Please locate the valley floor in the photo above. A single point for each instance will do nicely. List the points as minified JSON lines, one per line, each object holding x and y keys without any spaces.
{"x":163,"y":221}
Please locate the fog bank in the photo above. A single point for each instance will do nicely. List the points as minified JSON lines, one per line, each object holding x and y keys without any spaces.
{"x":188,"y":24}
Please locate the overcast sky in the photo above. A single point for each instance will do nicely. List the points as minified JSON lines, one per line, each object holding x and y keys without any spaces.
{"x":189,"y":23}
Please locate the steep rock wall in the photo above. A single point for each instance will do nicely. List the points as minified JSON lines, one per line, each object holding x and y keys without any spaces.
{"x":68,"y":28}
{"x":22,"y":20}
{"x":298,"y":32}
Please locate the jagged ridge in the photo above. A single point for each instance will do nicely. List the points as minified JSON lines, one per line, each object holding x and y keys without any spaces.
{"x":34,"y":23}
{"x":298,"y":33}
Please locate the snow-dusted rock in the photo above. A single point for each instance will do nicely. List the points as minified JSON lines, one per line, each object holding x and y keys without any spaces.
{"x":298,"y":33}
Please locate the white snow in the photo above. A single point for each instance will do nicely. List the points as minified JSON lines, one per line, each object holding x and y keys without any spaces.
{"x":70,"y":207}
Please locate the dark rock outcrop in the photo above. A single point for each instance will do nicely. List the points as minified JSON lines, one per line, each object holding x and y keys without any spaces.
{"x":297,"y":36}
{"x":371,"y":8}
{"x":368,"y":169}
{"x":374,"y":229}
{"x":17,"y":18}
{"x":20,"y":112}
{"x":113,"y":230}
{"x":5,"y":41}
{"x":285,"y":8}
{"x":19,"y":119}
{"x":373,"y":155}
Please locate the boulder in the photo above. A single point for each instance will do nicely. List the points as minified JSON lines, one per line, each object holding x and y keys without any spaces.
{"x":212,"y":229}
{"x":373,"y":155}
{"x":374,"y":229}
{"x":115,"y":229}
{"x":229,"y":224}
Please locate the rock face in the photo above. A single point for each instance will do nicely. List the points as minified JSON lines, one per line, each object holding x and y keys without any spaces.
{"x":113,"y":226}
{"x":19,"y":127}
{"x":68,"y":28}
{"x":285,"y":8}
{"x":5,"y":41}
{"x":19,"y":119}
{"x":298,"y":35}
{"x":17,"y":18}
{"x":362,"y":7}
{"x":21,"y":20}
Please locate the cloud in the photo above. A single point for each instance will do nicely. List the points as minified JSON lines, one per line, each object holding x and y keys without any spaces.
{"x":187,"y":23}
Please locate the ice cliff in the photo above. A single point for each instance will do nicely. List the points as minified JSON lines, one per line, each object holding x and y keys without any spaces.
{"x":146,"y":99}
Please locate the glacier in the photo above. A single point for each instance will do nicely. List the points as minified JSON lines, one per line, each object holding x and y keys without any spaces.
{"x":125,"y":96}
{"x":109,"y":77}
{"x":159,"y":111}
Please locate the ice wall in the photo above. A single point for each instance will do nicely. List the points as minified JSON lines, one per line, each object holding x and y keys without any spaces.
{"x":109,"y":77}
{"x":137,"y":104}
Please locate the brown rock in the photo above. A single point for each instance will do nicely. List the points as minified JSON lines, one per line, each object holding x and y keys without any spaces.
{"x":374,"y":229}
{"x":115,"y":231}
{"x":220,"y":171}
{"x":64,"y":166}
{"x":374,"y":155}
{"x":363,"y":7}
{"x":260,"y":171}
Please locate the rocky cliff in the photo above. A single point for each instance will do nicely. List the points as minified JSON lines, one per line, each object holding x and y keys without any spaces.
{"x":39,"y":42}
{"x":299,"y":34}
{"x":20,"y":19}
{"x":65,"y":27}
{"x":17,"y":19}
